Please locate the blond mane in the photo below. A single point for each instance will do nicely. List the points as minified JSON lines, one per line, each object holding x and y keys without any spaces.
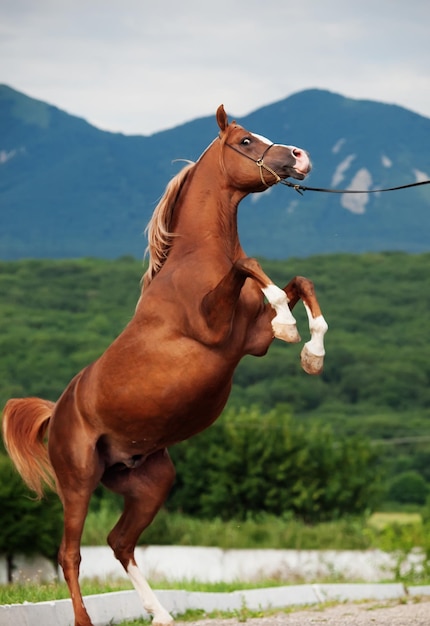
{"x":158,"y":229}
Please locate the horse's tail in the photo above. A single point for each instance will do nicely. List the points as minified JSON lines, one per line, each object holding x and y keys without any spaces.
{"x":25,"y":422}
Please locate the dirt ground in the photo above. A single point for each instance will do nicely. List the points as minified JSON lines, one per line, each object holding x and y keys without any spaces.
{"x":412,"y":613}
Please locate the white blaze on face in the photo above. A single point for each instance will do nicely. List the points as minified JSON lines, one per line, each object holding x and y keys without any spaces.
{"x":270,"y":143}
{"x":263,"y":139}
{"x":302,"y":163}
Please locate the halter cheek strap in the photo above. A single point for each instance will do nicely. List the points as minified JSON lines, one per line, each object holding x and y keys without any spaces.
{"x":260,"y":164}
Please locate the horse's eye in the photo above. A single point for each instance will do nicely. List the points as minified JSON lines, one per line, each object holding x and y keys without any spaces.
{"x":245,"y":141}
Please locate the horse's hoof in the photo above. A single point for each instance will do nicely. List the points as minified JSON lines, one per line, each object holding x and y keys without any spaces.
{"x":311,"y":363}
{"x":286,"y":332}
{"x":163,"y":619}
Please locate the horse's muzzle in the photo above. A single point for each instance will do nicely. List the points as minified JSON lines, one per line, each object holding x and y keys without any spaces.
{"x":303,"y":163}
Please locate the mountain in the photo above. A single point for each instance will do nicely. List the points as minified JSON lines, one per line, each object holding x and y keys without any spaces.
{"x":68,"y":189}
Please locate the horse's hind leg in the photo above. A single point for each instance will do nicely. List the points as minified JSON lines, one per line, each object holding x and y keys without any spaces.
{"x":144,"y":488}
{"x":312,"y":355}
{"x":78,"y":471}
{"x":69,"y":557}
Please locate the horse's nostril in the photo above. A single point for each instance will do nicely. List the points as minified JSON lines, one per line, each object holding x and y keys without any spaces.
{"x":297,"y":153}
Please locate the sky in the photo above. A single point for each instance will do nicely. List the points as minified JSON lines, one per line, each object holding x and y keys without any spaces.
{"x":140,"y":66}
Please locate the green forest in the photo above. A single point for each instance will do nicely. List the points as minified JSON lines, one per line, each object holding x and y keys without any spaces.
{"x":356,"y":438}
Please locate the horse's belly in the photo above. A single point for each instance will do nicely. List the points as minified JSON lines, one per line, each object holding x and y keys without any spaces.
{"x":158,"y":403}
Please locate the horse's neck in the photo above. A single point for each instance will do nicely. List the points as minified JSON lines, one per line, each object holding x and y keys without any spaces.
{"x":206,"y":213}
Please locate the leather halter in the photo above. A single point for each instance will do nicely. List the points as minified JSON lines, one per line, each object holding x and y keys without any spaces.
{"x":301,"y":188}
{"x":260,"y":163}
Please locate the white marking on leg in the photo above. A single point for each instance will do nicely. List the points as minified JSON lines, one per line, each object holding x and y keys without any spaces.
{"x":279,"y":301}
{"x":150,"y":601}
{"x":283,"y":324}
{"x":318,"y":327}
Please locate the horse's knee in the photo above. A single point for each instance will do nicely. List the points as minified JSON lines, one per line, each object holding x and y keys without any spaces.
{"x":305,"y":285}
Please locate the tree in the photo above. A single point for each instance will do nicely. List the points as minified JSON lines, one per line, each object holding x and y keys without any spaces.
{"x":250,"y":462}
{"x":28,"y":526}
{"x":409,"y":488}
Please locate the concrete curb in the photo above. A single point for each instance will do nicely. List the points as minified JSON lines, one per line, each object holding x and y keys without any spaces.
{"x":211,"y":565}
{"x":115,"y":607}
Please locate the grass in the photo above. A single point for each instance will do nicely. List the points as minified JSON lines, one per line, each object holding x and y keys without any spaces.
{"x":399,"y":532}
{"x":263,"y":531}
{"x":17,"y":593}
{"x":382,"y":520}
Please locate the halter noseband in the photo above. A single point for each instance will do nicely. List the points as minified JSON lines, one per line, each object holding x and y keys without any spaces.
{"x":260,"y":164}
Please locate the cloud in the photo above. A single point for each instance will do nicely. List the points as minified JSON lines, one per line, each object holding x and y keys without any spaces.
{"x":137,"y":66}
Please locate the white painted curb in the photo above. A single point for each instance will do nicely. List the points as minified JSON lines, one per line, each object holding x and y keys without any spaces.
{"x":111,"y":608}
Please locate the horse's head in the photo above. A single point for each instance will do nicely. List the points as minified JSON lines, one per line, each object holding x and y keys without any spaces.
{"x":265,"y":163}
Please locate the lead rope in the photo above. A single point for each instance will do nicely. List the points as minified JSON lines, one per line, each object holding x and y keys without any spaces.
{"x":301,"y":188}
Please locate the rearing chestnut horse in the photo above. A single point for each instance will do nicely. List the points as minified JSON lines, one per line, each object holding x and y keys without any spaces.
{"x":169,"y":374}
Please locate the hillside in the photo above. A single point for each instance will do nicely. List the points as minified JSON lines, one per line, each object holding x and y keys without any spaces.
{"x":58,"y":316}
{"x":68,"y":189}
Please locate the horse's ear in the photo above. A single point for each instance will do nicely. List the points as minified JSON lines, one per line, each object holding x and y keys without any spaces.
{"x":221,"y":118}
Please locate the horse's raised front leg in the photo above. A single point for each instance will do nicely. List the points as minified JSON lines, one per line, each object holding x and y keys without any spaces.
{"x":219,"y":304}
{"x":283,"y":323}
{"x":144,"y":488}
{"x":218,"y":307}
{"x":312,"y":356}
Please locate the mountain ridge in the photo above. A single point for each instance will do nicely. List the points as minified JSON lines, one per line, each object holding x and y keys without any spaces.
{"x":68,"y":189}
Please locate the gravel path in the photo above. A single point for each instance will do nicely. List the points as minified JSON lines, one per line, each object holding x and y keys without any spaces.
{"x":412,"y":613}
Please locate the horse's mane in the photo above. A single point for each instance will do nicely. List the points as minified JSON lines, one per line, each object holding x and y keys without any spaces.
{"x":158,"y":228}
